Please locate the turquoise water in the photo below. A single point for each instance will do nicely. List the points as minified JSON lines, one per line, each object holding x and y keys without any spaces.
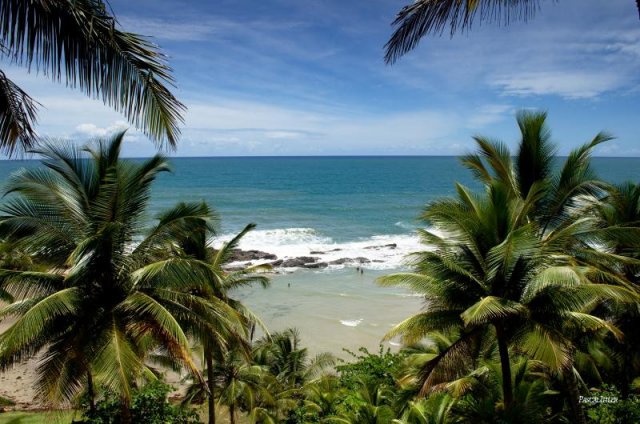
{"x":306,"y":204}
{"x":343,"y":198}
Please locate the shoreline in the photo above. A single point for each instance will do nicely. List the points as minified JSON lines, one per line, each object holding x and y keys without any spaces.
{"x":386,"y":253}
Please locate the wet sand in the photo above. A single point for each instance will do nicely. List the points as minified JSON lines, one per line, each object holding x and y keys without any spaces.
{"x":333,"y":309}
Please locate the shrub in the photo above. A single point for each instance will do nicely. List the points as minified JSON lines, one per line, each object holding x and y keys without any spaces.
{"x":369,"y":368}
{"x":149,"y":405}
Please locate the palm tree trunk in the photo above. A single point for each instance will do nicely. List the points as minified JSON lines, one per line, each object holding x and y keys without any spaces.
{"x":125,"y":413}
{"x":574,"y":395}
{"x":232,"y":413}
{"x":627,"y":372}
{"x":211,"y":386}
{"x":91,"y":393}
{"x":505,"y":363}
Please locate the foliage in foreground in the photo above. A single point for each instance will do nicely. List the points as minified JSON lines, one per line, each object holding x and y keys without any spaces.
{"x":125,"y":70}
{"x":149,"y":405}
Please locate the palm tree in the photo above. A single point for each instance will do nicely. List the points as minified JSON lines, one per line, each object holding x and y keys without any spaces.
{"x":514,"y":261}
{"x":286,"y":360}
{"x":240,"y":382}
{"x":620,"y":208}
{"x":531,"y":395}
{"x":78,"y":42}
{"x":322,"y":398}
{"x":424,"y":17}
{"x":372,"y":404}
{"x":433,"y":410}
{"x":193,"y":247}
{"x":97,"y":312}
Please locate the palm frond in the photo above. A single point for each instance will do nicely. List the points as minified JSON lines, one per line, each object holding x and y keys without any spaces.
{"x":225,"y":252}
{"x":490,"y":309}
{"x":419,"y":326}
{"x":116,"y":363}
{"x":25,"y":336}
{"x":79,"y":43}
{"x":424,"y":17}
{"x":17,"y":118}
{"x":546,"y":346}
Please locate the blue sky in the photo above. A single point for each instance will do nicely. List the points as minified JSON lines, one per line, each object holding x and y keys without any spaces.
{"x":285,"y":77}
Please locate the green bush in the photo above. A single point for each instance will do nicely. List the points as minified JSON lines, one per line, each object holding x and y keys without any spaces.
{"x":149,"y":405}
{"x":369,"y":368}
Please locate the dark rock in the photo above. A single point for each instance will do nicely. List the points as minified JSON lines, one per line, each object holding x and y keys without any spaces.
{"x":317,"y":252}
{"x":299,"y":261}
{"x":277,"y":263}
{"x":341,"y":261}
{"x":250,"y":255}
{"x":361,"y":260}
{"x":316,"y":265}
{"x":387,"y":246}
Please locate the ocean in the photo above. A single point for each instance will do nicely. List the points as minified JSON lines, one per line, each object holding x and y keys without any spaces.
{"x":341,"y":206}
{"x":344,"y":206}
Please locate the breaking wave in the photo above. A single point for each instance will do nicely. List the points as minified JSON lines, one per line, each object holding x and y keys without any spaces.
{"x":382,"y":251}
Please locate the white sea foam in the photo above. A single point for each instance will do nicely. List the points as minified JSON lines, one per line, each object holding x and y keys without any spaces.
{"x":351,"y":323}
{"x":383,"y":251}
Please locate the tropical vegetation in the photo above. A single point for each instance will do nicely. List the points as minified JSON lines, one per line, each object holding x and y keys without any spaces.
{"x":529,"y":280}
{"x":79,"y":43}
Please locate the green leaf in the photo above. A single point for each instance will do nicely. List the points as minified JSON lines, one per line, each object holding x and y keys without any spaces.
{"x":491,"y":309}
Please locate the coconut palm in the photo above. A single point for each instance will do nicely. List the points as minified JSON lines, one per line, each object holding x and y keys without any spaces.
{"x":286,"y":360}
{"x":371,"y":404}
{"x":518,"y":257}
{"x":97,"y":312}
{"x":240,"y":382}
{"x":423,"y":17}
{"x":218,"y":287}
{"x":490,"y":273}
{"x":531,"y":395}
{"x":79,"y":43}
{"x":621,"y":208}
{"x":433,"y":410}
{"x":322,"y":398}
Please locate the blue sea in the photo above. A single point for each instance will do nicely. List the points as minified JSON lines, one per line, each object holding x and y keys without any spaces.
{"x":305,"y":204}
{"x":341,"y":206}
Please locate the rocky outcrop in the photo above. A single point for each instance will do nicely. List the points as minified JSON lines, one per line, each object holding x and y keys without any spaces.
{"x":299,"y":262}
{"x":251,"y":255}
{"x":247,"y":257}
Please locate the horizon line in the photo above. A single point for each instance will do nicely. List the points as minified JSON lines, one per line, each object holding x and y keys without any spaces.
{"x":309,"y":157}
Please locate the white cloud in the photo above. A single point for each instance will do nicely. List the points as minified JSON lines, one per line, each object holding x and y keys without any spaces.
{"x":92,"y":130}
{"x":568,"y":84}
{"x":489,"y":114}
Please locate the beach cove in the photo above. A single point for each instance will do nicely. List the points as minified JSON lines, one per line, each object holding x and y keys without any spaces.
{"x":357,"y":215}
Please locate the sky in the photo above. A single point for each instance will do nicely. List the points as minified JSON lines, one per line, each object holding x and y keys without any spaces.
{"x":291,"y":77}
